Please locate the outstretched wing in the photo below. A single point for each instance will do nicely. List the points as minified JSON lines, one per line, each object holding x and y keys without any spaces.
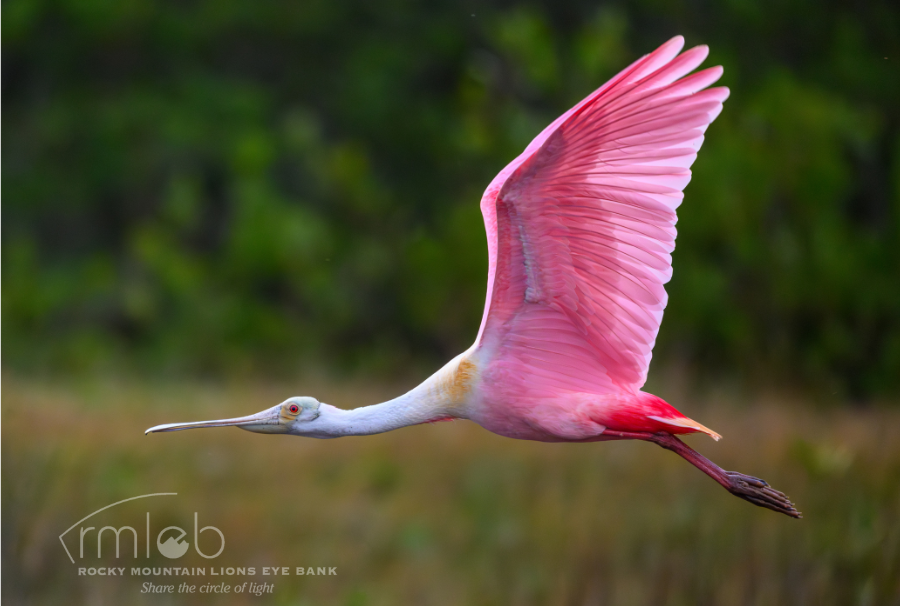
{"x":581,"y":227}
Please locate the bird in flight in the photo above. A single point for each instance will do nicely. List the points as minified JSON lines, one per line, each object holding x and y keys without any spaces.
{"x":580,"y":231}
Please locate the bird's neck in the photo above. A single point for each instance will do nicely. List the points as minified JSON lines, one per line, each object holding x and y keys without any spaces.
{"x":379,"y":418}
{"x":442,"y":396}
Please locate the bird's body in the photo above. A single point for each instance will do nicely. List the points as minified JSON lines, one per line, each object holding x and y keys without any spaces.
{"x":580,"y":231}
{"x":473,"y":386}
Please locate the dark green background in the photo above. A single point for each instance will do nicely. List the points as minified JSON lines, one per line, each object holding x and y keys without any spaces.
{"x":261,"y":187}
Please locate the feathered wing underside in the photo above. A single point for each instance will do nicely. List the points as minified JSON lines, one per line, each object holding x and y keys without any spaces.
{"x":581,"y":228}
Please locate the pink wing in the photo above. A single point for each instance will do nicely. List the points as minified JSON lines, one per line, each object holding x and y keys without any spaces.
{"x":581,"y":227}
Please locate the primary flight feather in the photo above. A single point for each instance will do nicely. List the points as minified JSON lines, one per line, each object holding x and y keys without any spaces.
{"x":580,"y":230}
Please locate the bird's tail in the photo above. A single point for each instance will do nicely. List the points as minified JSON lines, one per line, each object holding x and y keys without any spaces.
{"x":683,"y":424}
{"x":653,"y":414}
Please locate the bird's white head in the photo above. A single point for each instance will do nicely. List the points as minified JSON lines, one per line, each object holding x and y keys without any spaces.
{"x":297,"y":416}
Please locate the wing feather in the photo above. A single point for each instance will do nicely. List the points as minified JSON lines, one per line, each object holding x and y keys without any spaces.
{"x":581,"y":227}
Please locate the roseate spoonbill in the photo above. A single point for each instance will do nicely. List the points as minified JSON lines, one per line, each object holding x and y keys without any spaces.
{"x":580,"y":230}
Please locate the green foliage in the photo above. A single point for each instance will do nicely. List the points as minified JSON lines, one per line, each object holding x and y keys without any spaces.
{"x":212,"y":186}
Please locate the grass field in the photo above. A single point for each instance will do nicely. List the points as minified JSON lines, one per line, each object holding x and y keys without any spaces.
{"x":445,"y":513}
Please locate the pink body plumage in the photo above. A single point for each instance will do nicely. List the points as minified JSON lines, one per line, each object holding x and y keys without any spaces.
{"x":580,"y":229}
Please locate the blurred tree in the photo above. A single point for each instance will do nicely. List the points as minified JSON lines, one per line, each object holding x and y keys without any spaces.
{"x":215,"y":185}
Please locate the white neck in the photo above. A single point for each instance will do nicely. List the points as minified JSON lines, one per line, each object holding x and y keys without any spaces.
{"x":378,"y":418}
{"x":439,"y":397}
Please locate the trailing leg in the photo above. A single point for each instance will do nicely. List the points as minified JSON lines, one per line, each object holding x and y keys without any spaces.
{"x":750,"y":489}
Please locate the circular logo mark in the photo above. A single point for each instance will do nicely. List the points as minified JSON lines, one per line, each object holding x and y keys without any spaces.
{"x":174,"y":546}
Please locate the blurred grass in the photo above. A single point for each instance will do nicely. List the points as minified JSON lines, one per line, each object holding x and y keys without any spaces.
{"x":448,"y":513}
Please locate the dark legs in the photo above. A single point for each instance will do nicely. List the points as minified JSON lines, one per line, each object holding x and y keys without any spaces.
{"x":746,"y":487}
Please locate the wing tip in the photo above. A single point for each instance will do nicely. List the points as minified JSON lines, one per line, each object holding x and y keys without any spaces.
{"x":662,"y":55}
{"x":676,"y":40}
{"x":701,"y":51}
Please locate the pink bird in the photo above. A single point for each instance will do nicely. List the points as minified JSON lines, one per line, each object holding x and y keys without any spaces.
{"x":580,"y":230}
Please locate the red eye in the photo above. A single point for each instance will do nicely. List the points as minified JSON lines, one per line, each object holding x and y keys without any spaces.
{"x":294,"y":408}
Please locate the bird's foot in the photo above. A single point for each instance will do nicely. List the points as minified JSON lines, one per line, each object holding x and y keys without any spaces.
{"x":760,"y":493}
